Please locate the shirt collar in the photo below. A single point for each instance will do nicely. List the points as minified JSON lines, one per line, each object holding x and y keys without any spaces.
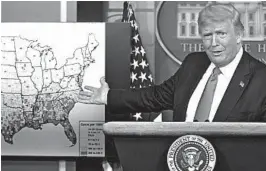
{"x":230,"y":68}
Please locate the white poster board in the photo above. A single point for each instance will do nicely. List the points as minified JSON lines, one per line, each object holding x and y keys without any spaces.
{"x":43,"y":68}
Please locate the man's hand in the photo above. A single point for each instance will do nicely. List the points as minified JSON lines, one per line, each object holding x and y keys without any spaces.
{"x":95,"y":95}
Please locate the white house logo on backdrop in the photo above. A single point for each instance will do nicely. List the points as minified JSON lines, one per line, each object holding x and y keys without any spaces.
{"x":182,"y":37}
{"x":253,"y":17}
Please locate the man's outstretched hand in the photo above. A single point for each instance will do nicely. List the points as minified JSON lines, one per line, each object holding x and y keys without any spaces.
{"x":93,"y":95}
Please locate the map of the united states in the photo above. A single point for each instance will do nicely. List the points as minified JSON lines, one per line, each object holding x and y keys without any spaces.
{"x":35,"y":90}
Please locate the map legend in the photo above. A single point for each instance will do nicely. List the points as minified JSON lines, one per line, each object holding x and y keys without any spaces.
{"x":92,"y":141}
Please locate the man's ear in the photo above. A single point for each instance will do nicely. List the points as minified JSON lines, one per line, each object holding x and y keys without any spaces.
{"x":239,"y":37}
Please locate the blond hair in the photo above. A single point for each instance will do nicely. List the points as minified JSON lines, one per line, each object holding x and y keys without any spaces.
{"x":219,"y":12}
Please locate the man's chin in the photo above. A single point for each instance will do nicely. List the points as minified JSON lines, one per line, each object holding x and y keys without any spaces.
{"x":218,"y":61}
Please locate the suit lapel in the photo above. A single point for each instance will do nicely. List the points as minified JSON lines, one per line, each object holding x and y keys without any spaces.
{"x":235,"y":89}
{"x":192,"y":84}
{"x":195,"y":71}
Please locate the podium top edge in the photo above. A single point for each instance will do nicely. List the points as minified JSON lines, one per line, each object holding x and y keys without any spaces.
{"x":184,"y":128}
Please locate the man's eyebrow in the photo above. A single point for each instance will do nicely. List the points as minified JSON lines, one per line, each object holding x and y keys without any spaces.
{"x":206,"y":31}
{"x":220,"y":31}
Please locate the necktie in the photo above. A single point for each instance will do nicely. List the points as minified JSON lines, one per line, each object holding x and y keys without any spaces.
{"x":205,"y":103}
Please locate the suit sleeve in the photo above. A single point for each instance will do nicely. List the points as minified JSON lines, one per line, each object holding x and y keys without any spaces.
{"x":153,"y":99}
{"x":260,"y":78}
{"x":263,"y":111}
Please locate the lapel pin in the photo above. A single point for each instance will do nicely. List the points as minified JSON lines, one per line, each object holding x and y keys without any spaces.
{"x":241,"y":84}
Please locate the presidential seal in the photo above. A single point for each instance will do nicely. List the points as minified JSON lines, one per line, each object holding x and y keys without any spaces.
{"x":191,"y":153}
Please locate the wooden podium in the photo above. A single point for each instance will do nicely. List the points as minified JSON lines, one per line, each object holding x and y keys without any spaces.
{"x":143,"y":146}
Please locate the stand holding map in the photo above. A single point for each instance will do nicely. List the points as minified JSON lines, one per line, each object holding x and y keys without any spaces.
{"x":44,"y":66}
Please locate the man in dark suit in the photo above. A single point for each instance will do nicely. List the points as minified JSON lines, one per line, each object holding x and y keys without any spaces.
{"x":222,"y":84}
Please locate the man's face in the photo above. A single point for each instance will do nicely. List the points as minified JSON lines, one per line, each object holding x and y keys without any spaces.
{"x":220,"y":41}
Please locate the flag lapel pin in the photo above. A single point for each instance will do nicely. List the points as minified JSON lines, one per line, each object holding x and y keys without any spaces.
{"x":242,"y":84}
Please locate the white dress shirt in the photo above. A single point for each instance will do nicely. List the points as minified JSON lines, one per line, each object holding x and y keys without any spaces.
{"x":222,"y":84}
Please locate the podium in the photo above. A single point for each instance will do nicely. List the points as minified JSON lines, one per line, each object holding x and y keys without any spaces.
{"x":143,"y":146}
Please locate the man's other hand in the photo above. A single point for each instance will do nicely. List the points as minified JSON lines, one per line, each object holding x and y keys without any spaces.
{"x":93,"y":95}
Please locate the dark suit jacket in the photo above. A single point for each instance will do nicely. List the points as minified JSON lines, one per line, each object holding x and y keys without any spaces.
{"x":240,"y":103}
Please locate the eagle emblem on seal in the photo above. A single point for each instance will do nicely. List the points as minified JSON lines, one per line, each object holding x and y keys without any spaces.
{"x":191,"y":159}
